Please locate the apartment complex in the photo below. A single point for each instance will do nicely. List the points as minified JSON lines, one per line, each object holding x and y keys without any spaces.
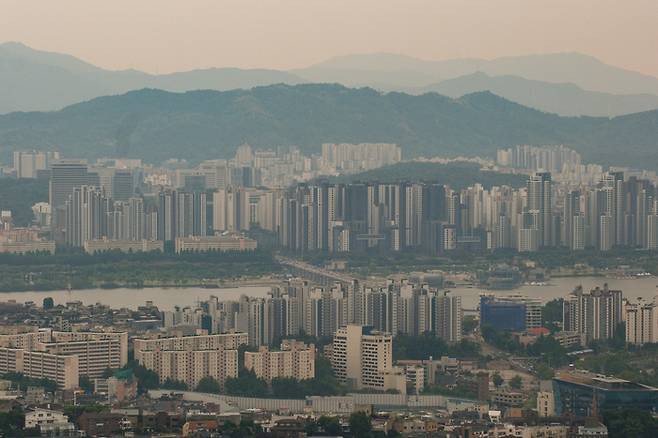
{"x":399,"y":307}
{"x":191,"y":358}
{"x":94,"y":352}
{"x":295,"y":360}
{"x":362,"y":358}
{"x":358,"y":157}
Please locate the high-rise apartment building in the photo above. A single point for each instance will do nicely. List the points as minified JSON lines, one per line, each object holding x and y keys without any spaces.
{"x":595,"y":314}
{"x":363,"y":359}
{"x":641,"y":322}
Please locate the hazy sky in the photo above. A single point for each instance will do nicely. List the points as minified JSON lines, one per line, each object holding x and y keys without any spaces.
{"x":171,"y":35}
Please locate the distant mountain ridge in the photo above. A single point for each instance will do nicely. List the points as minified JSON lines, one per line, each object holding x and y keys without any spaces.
{"x":33,"y":80}
{"x":563,"y":99}
{"x":156,"y":125}
{"x":584,"y":71}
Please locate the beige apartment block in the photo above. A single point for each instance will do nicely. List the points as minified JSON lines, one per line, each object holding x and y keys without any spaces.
{"x":191,"y":358}
{"x":228,"y":341}
{"x":190,"y":366}
{"x":95,"y":351}
{"x":295,"y":360}
{"x":41,"y":365}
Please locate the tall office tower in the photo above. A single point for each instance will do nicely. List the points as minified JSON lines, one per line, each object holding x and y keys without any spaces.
{"x":594,"y":314}
{"x":216,"y":172}
{"x":448,"y":317}
{"x":363,"y":359}
{"x":641,"y":322}
{"x":65,"y":176}
{"x":123,"y":184}
{"x":29,"y":164}
{"x":540,"y":200}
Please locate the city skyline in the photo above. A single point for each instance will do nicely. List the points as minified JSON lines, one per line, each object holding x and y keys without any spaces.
{"x":202,"y":34}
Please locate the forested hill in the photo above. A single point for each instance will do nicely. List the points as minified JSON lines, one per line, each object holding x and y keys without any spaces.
{"x":457,"y":175}
{"x":156,"y":125}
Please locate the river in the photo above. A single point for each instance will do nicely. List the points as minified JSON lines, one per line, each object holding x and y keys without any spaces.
{"x":167,"y":298}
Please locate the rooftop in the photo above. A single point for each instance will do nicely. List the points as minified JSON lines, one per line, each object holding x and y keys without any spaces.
{"x":598,"y":381}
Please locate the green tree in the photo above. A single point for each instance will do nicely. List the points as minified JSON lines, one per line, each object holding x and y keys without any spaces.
{"x":247,"y":385}
{"x":174,"y":384}
{"x":516,"y":382}
{"x":630,"y":423}
{"x":497,"y":379}
{"x":146,"y":379}
{"x":208,"y":384}
{"x":330,"y":425}
{"x":85,"y":383}
{"x":544,"y":372}
{"x":360,"y":425}
{"x":469,"y":324}
{"x":48,"y":303}
{"x":551,"y":314}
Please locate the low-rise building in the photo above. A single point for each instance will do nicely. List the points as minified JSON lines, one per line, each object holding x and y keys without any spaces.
{"x":28,"y":247}
{"x":102,"y":245}
{"x":570,"y":339}
{"x":507,"y":397}
{"x":215,"y":243}
{"x":49,"y":422}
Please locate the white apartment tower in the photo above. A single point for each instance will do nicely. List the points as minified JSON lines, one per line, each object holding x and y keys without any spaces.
{"x":363,"y":359}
